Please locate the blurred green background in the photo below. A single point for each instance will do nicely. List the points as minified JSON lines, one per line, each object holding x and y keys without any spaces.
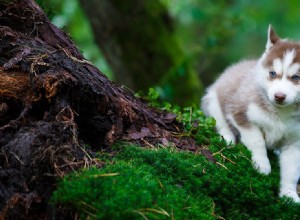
{"x":191,"y":41}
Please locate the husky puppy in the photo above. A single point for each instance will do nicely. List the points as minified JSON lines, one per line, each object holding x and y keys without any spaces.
{"x":258,"y":103}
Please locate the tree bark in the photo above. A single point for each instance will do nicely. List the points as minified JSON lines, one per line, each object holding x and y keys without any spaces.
{"x":52,"y":103}
{"x":137,"y":39}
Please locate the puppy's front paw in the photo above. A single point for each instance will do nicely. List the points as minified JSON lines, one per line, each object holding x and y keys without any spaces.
{"x":262,"y":164}
{"x":229,"y":138}
{"x":291,"y":194}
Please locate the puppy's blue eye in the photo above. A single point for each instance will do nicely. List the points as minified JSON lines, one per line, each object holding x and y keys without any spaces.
{"x":272,"y":74}
{"x":295,"y":78}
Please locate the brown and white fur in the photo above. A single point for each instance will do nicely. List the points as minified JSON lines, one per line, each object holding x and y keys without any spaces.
{"x":258,"y":101}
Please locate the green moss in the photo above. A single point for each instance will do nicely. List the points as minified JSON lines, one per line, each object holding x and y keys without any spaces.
{"x":131,"y":188}
{"x":166,"y":183}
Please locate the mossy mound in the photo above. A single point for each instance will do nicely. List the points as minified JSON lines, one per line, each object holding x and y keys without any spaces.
{"x":165,"y":183}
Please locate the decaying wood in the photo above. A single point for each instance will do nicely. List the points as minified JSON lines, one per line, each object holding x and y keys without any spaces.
{"x":52,"y":103}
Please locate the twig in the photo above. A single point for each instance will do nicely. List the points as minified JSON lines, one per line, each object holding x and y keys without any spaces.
{"x":222,"y":165}
{"x":74,"y":58}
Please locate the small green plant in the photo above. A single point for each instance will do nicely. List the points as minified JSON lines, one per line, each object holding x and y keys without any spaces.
{"x":196,"y":124}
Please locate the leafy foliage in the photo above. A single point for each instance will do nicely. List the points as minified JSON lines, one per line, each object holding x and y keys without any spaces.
{"x":196,"y":124}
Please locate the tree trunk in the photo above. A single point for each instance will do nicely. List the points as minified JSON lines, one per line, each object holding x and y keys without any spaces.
{"x":52,"y":103}
{"x":137,"y":38}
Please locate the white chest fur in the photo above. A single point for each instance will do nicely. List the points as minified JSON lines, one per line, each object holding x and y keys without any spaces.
{"x":278,"y":126}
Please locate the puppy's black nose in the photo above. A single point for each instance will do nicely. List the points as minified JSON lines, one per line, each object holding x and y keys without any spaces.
{"x":279,"y":97}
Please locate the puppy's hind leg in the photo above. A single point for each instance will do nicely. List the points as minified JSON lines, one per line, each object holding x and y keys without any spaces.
{"x":211,"y":107}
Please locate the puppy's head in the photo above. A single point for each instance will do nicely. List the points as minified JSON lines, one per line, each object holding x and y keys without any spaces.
{"x":279,"y":70}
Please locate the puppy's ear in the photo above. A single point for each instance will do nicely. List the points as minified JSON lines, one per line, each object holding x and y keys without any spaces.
{"x":272,"y":38}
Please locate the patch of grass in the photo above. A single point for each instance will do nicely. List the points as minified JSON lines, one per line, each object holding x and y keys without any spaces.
{"x":168,"y":184}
